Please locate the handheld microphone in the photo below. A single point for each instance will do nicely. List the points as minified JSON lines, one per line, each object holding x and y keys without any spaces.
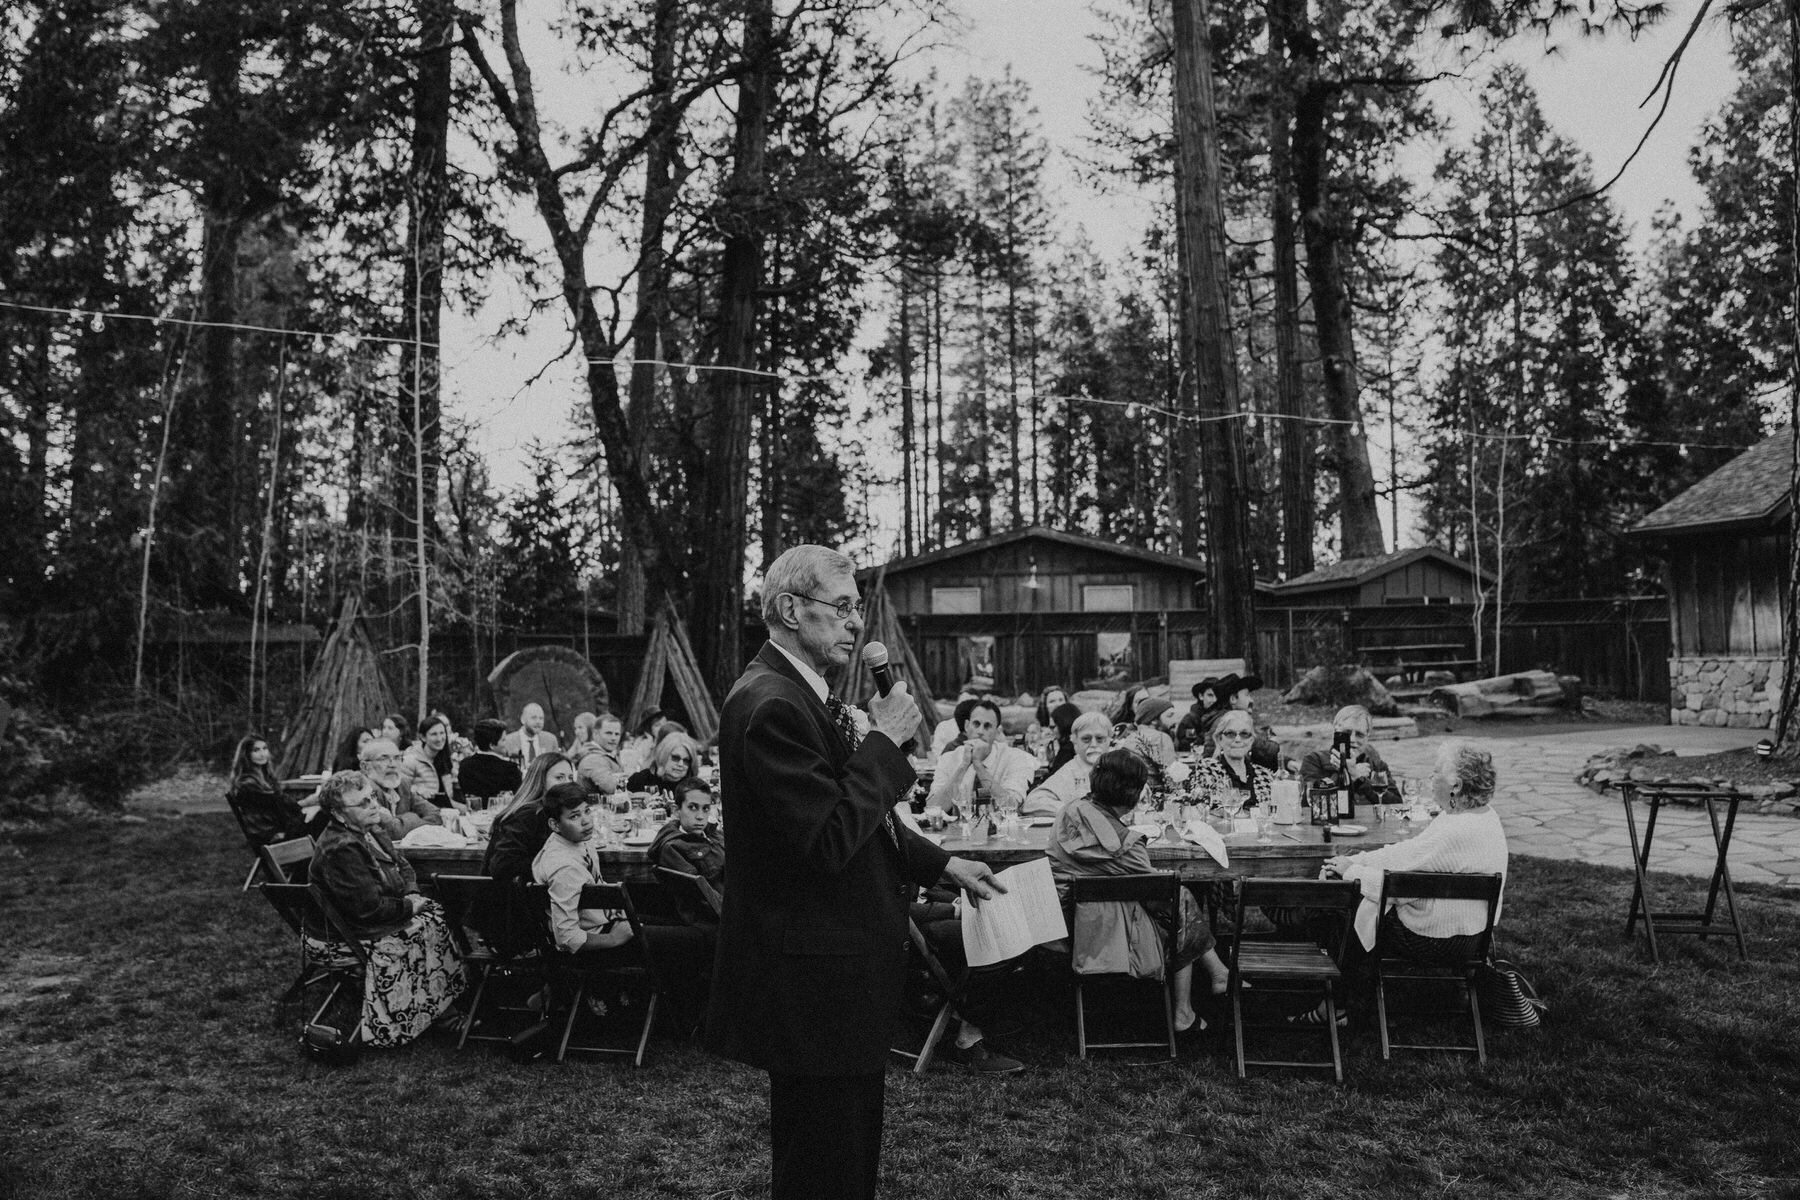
{"x":875,"y":657}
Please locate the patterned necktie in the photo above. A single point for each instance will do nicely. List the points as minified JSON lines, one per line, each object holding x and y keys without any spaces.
{"x":846,"y":725}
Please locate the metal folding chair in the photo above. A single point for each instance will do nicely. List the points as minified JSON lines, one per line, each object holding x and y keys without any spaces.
{"x":1155,"y":887}
{"x":631,"y":965}
{"x":1287,"y":967}
{"x":1392,"y":965}
{"x":496,"y":929}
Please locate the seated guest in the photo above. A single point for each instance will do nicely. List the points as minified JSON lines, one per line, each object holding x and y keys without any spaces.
{"x":1040,"y":735}
{"x":1125,"y":711}
{"x":1466,"y":837}
{"x":1062,"y":747}
{"x":982,"y":761}
{"x":1194,"y":730}
{"x":581,"y":740}
{"x":486,"y":773}
{"x":675,"y":759}
{"x":1091,"y":735}
{"x":950,"y":728}
{"x":268,"y":815}
{"x":530,"y":739}
{"x":635,"y":754}
{"x":1370,"y":781}
{"x":427,"y":765}
{"x":1235,"y":695}
{"x":1228,"y":778}
{"x":1150,"y":739}
{"x":349,"y":752}
{"x":567,"y":863}
{"x":396,"y":729}
{"x":689,"y":842}
{"x":519,"y":832}
{"x":414,"y":971}
{"x":1091,"y":838}
{"x":599,"y":765}
{"x":402,"y":811}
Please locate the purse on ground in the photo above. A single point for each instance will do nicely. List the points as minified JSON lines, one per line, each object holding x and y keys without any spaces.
{"x":1508,"y":997}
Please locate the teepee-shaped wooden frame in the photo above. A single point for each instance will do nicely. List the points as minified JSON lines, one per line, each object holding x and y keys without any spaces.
{"x":347,"y":691}
{"x":671,"y":656}
{"x":880,"y":624}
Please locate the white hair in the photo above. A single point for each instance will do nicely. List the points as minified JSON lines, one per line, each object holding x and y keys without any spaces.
{"x":799,"y":572}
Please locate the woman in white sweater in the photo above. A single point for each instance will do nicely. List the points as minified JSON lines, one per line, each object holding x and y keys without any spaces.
{"x":1466,"y":837}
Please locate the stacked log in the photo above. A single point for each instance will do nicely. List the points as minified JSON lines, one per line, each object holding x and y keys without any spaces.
{"x":347,"y":691}
{"x":1525,"y":693}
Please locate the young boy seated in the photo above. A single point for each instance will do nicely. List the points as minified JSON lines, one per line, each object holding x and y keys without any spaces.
{"x":689,"y":842}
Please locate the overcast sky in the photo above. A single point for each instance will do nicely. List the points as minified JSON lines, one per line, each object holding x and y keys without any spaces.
{"x":1590,"y":91}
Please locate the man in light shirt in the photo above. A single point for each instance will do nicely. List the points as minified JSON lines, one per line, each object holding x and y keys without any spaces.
{"x":983,"y":760}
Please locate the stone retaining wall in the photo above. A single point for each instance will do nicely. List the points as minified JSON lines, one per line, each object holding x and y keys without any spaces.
{"x":1743,"y":693}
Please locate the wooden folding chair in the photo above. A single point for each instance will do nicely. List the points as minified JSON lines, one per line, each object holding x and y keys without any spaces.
{"x":697,"y":901}
{"x":279,"y":861}
{"x":1154,"y":887}
{"x":1286,"y":967}
{"x":1391,"y":964}
{"x":631,"y":964}
{"x":496,"y":929}
{"x":950,"y":989}
{"x":256,"y":863}
{"x":343,"y":962}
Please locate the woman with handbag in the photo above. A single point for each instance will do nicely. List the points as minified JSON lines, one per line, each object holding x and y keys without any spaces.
{"x":1091,"y":838}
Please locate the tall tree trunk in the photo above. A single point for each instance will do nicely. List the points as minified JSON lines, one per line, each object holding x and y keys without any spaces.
{"x":1295,"y":436}
{"x":1358,"y":507}
{"x":1206,"y":326}
{"x":1790,"y":679}
{"x":909,"y":543}
{"x":648,"y":339}
{"x":719,"y":582}
{"x":427,"y":206}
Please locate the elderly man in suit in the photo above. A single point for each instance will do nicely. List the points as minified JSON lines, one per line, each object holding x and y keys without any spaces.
{"x":812,"y":942}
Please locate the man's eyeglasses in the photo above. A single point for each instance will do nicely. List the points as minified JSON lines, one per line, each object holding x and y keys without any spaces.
{"x":843,"y":608}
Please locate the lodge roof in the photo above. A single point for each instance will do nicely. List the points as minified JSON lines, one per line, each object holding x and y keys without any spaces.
{"x":1748,"y":492}
{"x":1351,"y":572}
{"x":1080,"y":541}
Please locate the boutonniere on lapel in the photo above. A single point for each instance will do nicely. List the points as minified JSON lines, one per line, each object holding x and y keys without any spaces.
{"x":853,"y":723}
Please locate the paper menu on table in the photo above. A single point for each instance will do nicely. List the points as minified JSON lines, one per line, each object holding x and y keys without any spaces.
{"x":1027,"y":915}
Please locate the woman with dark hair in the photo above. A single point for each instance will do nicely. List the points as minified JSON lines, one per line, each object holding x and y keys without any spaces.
{"x":267,"y":814}
{"x":349,"y":752}
{"x":397,"y":729}
{"x":487,"y":773}
{"x":635,"y":753}
{"x":415,"y":973}
{"x":1062,"y":744}
{"x":428,"y":764}
{"x":1092,"y":838}
{"x":1048,"y":703}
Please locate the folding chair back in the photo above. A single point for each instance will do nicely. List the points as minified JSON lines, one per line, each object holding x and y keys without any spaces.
{"x":696,"y":900}
{"x":1280,"y":966}
{"x":1154,"y":887}
{"x":287,"y":862}
{"x":499,"y":933}
{"x":1392,"y":963}
{"x":629,"y":964}
{"x":237,"y":812}
{"x":949,"y":994}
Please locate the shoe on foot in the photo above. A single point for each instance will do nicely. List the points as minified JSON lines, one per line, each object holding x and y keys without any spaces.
{"x":981,"y":1060}
{"x":1194,"y":1021}
{"x":1317,"y":1017}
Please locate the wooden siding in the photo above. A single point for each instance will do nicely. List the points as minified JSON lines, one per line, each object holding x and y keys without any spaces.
{"x":1001,"y":571}
{"x":1727,"y":595}
{"x":1426,"y":577}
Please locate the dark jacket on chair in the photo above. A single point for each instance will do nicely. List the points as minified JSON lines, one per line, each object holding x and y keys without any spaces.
{"x":367,"y":885}
{"x":812,"y":946}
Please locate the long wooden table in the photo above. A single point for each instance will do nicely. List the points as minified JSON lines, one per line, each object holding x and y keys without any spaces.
{"x":1297,"y":852}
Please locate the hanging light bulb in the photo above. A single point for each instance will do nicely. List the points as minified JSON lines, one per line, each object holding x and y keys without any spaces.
{"x":97,"y":323}
{"x":691,"y":375}
{"x":318,"y":341}
{"x":1132,"y":411}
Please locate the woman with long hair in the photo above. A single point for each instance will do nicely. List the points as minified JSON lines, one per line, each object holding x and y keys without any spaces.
{"x":397,"y":729}
{"x":267,"y":814}
{"x":519,"y":832}
{"x":349,"y":751}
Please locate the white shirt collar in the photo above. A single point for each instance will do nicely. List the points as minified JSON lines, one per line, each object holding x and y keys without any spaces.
{"x":813,"y":679}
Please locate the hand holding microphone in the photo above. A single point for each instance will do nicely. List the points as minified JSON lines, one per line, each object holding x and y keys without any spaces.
{"x":893,"y":711}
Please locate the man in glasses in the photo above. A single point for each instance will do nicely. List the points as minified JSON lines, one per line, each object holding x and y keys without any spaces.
{"x":401,"y":811}
{"x":812,"y":943}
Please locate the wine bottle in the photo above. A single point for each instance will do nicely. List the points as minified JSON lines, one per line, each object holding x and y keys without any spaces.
{"x":1345,"y":809}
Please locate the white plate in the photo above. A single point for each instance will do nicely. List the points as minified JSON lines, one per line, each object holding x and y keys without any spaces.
{"x":1348,"y":830}
{"x":639,"y":839}
{"x":1041,"y":822}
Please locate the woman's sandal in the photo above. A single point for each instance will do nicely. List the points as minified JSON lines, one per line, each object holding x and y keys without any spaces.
{"x":1197,"y":1024}
{"x":1317,"y":1017}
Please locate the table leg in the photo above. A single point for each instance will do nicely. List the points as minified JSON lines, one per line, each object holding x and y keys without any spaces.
{"x":1640,"y":858}
{"x":1722,"y":872}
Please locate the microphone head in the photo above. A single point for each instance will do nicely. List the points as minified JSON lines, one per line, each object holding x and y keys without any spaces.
{"x":874,"y":654}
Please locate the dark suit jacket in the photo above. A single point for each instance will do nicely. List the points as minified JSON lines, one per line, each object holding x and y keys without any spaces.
{"x":812,"y":945}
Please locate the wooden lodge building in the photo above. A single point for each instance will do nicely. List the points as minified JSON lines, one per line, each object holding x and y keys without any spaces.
{"x":1725,"y":543}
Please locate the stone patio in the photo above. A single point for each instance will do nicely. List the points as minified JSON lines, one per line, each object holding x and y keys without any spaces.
{"x":1548,"y":814}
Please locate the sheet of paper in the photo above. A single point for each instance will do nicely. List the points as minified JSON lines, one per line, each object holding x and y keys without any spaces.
{"x":1209,"y":840}
{"x":1008,"y":925}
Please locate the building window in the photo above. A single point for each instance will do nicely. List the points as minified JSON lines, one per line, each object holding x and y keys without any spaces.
{"x":955,"y":600}
{"x":1107,"y":597}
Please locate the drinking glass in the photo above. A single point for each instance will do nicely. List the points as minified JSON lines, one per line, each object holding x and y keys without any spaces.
{"x":1265,"y":821}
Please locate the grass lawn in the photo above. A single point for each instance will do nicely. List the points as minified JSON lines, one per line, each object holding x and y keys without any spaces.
{"x":138,"y":1059}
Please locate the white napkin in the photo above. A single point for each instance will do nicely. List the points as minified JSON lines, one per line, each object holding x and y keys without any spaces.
{"x":1368,"y":913}
{"x":435,"y":836}
{"x":1208,"y":839}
